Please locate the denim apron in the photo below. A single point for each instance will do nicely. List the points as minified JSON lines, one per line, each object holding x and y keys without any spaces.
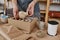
{"x":23,"y":4}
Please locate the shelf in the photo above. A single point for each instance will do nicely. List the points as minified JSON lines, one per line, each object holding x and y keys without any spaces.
{"x":55,"y":3}
{"x":43,"y":1}
{"x":1,"y":11}
{"x":42,"y":11}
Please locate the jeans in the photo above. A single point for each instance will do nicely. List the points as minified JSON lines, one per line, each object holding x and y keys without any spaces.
{"x":23,"y":4}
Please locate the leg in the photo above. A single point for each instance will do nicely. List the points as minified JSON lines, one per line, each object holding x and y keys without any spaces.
{"x":37,"y":11}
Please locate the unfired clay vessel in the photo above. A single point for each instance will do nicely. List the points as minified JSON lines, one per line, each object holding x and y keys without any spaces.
{"x":22,"y":14}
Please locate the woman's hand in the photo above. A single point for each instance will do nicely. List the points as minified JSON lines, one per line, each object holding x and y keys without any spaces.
{"x":15,"y":12}
{"x":30,"y":9}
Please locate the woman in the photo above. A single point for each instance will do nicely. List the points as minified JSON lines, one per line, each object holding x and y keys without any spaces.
{"x":30,"y":6}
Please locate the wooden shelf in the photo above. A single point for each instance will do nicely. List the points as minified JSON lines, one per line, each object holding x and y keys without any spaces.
{"x":43,"y":0}
{"x":55,"y":3}
{"x":42,"y":11}
{"x":48,"y":2}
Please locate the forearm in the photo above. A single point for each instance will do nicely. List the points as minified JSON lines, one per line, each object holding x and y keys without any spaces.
{"x":36,"y":1}
{"x":14,"y":2}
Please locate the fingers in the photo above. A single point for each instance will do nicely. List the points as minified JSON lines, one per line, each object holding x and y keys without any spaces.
{"x":15,"y":13}
{"x":30,"y":11}
{"x":15,"y":16}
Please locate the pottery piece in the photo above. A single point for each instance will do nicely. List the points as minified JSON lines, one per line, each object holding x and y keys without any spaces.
{"x":22,"y":14}
{"x":40,"y":34}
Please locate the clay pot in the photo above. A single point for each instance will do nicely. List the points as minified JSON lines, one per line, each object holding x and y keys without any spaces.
{"x":22,"y":14}
{"x":40,"y":34}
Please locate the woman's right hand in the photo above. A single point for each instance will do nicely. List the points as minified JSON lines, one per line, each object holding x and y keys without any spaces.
{"x":15,"y":12}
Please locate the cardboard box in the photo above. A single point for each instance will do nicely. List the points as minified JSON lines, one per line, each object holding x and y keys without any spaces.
{"x":27,"y":27}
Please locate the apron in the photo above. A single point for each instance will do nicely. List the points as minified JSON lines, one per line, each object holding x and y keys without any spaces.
{"x":23,"y":4}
